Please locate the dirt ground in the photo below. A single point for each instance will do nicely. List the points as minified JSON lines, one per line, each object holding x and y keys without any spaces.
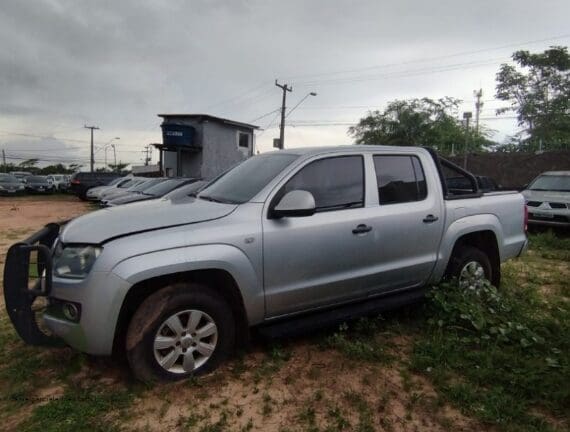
{"x":22,"y":216}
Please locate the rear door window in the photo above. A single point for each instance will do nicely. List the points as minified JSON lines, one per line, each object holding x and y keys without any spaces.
{"x":336,"y":183}
{"x":400,"y":179}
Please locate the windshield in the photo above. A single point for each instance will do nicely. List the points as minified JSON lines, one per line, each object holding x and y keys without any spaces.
{"x":558,"y":183}
{"x":145,"y":184}
{"x":164,"y":187}
{"x":243,"y":182}
{"x":36,"y":179}
{"x":115,"y":181}
{"x":7,"y":178}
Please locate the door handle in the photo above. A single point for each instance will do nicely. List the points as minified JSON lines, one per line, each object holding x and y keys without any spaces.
{"x":361,"y":229}
{"x":430,"y":218}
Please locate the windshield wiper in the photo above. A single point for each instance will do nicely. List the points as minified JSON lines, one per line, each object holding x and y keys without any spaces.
{"x":217,"y":200}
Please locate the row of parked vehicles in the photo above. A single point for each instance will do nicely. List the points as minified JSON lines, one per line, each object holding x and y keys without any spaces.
{"x":130,"y":189}
{"x":18,"y":182}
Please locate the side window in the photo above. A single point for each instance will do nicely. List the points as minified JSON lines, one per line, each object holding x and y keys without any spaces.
{"x":336,"y":182}
{"x":457,"y":182}
{"x":400,"y":179}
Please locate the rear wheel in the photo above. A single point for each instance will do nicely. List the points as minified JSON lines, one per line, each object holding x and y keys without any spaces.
{"x":471,"y":267}
{"x":179,"y":331}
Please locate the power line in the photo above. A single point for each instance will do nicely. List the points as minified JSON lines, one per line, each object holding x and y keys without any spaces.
{"x":264,"y":115}
{"x":428,"y":59}
{"x":403,"y":73}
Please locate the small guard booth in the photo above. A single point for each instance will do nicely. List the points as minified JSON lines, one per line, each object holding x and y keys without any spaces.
{"x":201,"y":145}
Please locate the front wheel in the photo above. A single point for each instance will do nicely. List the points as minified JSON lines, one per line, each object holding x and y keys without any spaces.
{"x":179,"y":331}
{"x":471,"y":267}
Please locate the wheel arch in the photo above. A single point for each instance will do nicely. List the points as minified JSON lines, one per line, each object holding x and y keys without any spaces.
{"x":487,"y":242}
{"x":217,"y":279}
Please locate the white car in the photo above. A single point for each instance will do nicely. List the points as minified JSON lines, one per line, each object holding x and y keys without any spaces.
{"x":59,"y":182}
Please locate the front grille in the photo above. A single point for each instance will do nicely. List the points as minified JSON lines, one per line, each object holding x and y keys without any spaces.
{"x":533,"y":203}
{"x":555,"y":205}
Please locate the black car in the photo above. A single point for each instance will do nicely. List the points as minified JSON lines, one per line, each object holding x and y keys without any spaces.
{"x":10,"y":185}
{"x":38,"y":184}
{"x":82,"y":181}
{"x":154,"y":192}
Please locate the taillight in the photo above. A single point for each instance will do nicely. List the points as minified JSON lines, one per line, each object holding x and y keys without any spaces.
{"x":525,"y":218}
{"x":74,"y":181}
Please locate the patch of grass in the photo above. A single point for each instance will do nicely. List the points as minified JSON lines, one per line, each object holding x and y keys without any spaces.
{"x":274,"y":360}
{"x":78,"y":410}
{"x":360,"y":342}
{"x":500,"y":355}
{"x":357,"y":401}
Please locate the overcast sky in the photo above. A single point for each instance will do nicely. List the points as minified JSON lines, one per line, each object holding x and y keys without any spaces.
{"x":117,"y":64}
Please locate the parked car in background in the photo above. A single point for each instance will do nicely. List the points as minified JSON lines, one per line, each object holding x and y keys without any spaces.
{"x":94,"y":193}
{"x":146,"y":184}
{"x":187,"y":191}
{"x":284,"y":240}
{"x":10,"y":185}
{"x":37,"y":184}
{"x":20,"y":175}
{"x":548,"y":199}
{"x":125,"y":188}
{"x":153,"y":192}
{"x":59,"y":181}
{"x":81,"y":182}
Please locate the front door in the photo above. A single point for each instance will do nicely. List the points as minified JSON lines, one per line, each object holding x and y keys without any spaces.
{"x":321,"y":259}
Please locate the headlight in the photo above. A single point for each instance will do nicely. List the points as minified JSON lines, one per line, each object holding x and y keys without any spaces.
{"x":74,"y":262}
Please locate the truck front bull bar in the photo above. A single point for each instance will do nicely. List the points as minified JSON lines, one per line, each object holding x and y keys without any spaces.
{"x":19,"y":293}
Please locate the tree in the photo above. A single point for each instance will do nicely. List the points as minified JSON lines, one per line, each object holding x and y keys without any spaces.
{"x":119,"y":167}
{"x":418,"y":122}
{"x":538,"y":90}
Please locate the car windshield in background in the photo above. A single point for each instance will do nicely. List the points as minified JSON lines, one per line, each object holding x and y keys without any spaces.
{"x":36,"y":179}
{"x":558,"y":183}
{"x":115,"y":181}
{"x":7,"y":178}
{"x":164,"y":187}
{"x":146,"y":184}
{"x":244,"y":181}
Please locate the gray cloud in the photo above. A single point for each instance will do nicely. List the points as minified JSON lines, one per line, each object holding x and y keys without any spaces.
{"x":119,"y":63}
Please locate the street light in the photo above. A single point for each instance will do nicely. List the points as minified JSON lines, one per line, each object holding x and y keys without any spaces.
{"x":106,"y":145}
{"x":300,"y":102}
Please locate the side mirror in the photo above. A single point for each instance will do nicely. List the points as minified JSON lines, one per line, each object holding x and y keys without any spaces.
{"x":294,"y":204}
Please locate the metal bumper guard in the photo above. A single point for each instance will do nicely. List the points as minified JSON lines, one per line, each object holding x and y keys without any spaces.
{"x":19,"y":296}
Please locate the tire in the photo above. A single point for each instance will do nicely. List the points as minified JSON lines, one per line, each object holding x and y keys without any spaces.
{"x":186,"y":302}
{"x":462,"y":263}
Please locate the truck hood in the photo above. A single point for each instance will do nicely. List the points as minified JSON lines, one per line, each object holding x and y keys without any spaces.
{"x":546,"y":196}
{"x":102,"y":225}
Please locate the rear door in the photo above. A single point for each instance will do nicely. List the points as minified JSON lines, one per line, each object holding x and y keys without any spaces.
{"x":408,"y":222}
{"x":324,"y":258}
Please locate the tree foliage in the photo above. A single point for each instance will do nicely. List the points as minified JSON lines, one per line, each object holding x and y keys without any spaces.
{"x":538,"y":90}
{"x":418,"y":122}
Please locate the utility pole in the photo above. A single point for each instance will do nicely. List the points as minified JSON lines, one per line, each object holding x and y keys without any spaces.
{"x":466,"y":116}
{"x":92,"y":153}
{"x":478,"y":106}
{"x":147,"y":151}
{"x":285,"y":89}
{"x":114,"y":155}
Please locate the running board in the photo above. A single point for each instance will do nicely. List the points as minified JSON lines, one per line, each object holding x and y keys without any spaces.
{"x":293,"y":326}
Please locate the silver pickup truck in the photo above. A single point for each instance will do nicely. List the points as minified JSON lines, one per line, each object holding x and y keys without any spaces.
{"x":285,"y":240}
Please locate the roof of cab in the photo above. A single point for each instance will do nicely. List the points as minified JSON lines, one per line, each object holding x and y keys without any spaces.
{"x":352,"y":148}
